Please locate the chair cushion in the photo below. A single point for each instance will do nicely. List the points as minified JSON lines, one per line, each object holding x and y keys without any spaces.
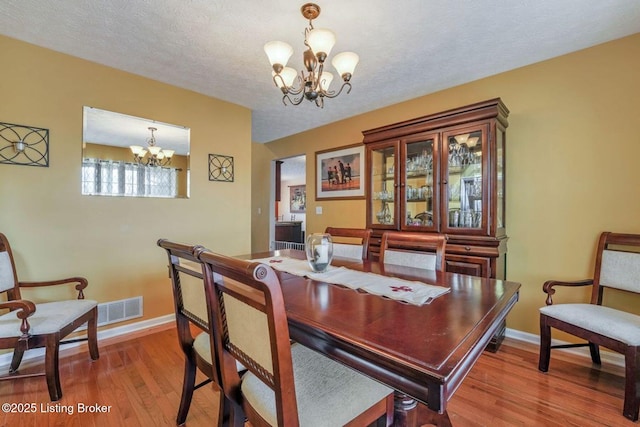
{"x":49,"y":317}
{"x":344,"y":250}
{"x":328,"y":393}
{"x":607,"y":321}
{"x":202,"y":347}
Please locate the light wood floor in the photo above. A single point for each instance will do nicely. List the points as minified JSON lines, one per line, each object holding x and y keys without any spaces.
{"x":140,"y":380}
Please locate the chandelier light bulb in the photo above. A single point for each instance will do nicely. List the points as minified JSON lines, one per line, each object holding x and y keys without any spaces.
{"x":345,"y":63}
{"x":321,"y":41}
{"x":325,"y":80}
{"x":278,"y":53}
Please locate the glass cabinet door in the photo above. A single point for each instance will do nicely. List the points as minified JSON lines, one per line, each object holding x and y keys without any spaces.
{"x":417,"y":187}
{"x":383,"y":182}
{"x":500,"y":190}
{"x":463,"y":160}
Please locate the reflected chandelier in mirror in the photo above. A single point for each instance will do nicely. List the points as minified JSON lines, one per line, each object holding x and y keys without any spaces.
{"x":130,"y":156}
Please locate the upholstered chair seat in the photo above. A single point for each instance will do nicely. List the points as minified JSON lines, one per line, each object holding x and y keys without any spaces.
{"x":202,"y":346}
{"x":609,"y":322}
{"x":321,"y":386}
{"x":48,"y":318}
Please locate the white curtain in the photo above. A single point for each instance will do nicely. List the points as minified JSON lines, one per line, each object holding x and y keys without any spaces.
{"x":109,"y":178}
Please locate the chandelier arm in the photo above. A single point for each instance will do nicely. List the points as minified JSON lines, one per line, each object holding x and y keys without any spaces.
{"x":294,"y":101}
{"x":332,"y":94}
{"x":281,"y":80}
{"x":293,"y":91}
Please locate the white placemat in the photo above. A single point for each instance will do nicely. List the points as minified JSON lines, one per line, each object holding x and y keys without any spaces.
{"x":412,"y":292}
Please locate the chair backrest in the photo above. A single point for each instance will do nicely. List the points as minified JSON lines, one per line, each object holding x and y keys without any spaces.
{"x":8,"y":276}
{"x":350,"y":242}
{"x":187,"y":283}
{"x":419,"y":250}
{"x":251,"y":327}
{"x":617,"y":264}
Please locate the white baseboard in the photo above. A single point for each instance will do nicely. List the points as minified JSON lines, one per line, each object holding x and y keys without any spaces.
{"x":5,"y":359}
{"x":605,"y":356}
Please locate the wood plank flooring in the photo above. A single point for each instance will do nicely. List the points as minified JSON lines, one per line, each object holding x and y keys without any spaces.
{"x":139,"y":380}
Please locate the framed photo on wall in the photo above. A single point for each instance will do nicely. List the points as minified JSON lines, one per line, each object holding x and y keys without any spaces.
{"x":340,"y":173}
{"x":298,"y":198}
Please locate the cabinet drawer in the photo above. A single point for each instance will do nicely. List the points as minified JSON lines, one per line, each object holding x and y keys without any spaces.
{"x":471,"y":265}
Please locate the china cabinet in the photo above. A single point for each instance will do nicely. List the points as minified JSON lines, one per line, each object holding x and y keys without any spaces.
{"x":443,"y":173}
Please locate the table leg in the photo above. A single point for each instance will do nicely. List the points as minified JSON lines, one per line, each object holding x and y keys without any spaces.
{"x":408,"y":413}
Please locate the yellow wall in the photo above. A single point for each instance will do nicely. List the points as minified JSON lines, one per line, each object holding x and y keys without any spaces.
{"x":572,"y":163}
{"x":56,"y":232}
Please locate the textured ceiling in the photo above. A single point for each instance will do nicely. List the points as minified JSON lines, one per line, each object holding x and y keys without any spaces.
{"x":407,"y":48}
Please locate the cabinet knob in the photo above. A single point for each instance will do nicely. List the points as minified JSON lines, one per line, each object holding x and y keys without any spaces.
{"x":467,"y":248}
{"x":445,"y":182}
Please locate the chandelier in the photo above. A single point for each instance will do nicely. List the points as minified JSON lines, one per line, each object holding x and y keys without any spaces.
{"x":314,"y":85}
{"x":157,"y":156}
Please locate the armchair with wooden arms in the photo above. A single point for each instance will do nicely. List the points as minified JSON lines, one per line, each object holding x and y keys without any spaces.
{"x":30,"y":325}
{"x":250,"y":323}
{"x":350,"y":242}
{"x":617,"y":267}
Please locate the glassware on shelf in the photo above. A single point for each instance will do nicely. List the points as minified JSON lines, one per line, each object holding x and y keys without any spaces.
{"x":319,"y":249}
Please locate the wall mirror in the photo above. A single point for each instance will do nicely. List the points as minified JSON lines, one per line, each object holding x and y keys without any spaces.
{"x":134,"y":157}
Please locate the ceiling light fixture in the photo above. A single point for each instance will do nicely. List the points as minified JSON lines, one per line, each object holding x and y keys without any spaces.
{"x":157,"y":156}
{"x":315,"y":85}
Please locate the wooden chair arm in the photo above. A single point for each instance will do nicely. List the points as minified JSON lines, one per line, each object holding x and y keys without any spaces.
{"x":82,"y":284}
{"x":549,"y":284}
{"x":25,"y":308}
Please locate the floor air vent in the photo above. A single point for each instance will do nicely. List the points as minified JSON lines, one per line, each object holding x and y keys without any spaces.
{"x":119,"y":311}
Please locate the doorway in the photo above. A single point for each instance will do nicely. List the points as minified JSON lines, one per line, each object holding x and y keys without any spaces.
{"x":288,"y":204}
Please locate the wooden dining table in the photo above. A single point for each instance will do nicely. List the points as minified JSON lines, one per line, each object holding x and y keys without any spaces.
{"x":423,"y":352}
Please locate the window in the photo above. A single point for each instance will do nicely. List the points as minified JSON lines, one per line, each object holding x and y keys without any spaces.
{"x":109,"y":178}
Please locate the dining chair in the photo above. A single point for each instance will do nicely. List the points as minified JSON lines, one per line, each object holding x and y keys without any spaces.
{"x":419,"y":250}
{"x":30,"y":325}
{"x":350,"y":242}
{"x":286,"y":384}
{"x":617,"y":269}
{"x":187,"y":284}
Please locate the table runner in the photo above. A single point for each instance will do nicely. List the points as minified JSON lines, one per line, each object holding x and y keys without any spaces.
{"x":412,"y":292}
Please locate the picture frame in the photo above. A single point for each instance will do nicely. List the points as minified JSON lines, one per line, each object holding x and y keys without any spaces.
{"x":340,"y":173}
{"x":297,"y":198}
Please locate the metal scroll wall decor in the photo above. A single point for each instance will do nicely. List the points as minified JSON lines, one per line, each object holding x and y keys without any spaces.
{"x":24,"y":145}
{"x":220,"y":168}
